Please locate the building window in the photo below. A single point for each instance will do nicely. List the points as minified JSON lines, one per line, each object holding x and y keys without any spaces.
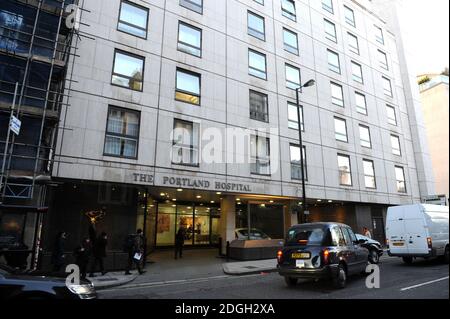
{"x":330,"y":30}
{"x":260,"y":155}
{"x":387,"y":87}
{"x":290,"y":41}
{"x":345,"y":175}
{"x":357,"y":72}
{"x":288,"y":9}
{"x":392,"y":118}
{"x":185,"y":143}
{"x":261,"y":2}
{"x":337,"y":94}
{"x":292,"y":77}
{"x":361,"y":104}
{"x":188,"y":87}
{"x":349,"y":16}
{"x":400,"y":179}
{"x":133,"y":19}
{"x":194,"y":5}
{"x":333,"y":62}
{"x":383,"y":60}
{"x":259,"y":106}
{"x":293,"y":117}
{"x":328,"y":6}
{"x":369,"y":174}
{"x":353,"y":43}
{"x":379,"y":35}
{"x":128,"y":70}
{"x":189,"y":39}
{"x":256,"y":26}
{"x":395,"y":142}
{"x":257,"y":64}
{"x":364,"y":134}
{"x":296,"y":167}
{"x":340,"y":129}
{"x":122,"y":133}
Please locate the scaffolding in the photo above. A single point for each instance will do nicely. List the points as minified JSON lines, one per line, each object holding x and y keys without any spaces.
{"x":35,"y":46}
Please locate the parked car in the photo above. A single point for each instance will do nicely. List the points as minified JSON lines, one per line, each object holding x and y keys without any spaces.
{"x":374,"y":247}
{"x":418,"y":230}
{"x":321,"y":251}
{"x":255,"y":234}
{"x":28,"y":285}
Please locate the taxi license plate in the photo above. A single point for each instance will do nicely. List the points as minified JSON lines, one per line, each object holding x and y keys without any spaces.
{"x":398,"y":244}
{"x":301,"y":255}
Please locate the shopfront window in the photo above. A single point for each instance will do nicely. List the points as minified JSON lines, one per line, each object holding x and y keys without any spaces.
{"x":265,"y":221}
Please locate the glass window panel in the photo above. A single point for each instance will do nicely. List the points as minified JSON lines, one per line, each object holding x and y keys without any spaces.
{"x":349,"y":16}
{"x":361,"y":105}
{"x":288,"y":9}
{"x":133,"y":19}
{"x":259,"y":106}
{"x":340,"y":129}
{"x":392,"y":118}
{"x":328,"y":5}
{"x":337,"y":96}
{"x":364,"y":133}
{"x":369,"y":174}
{"x":357,"y":72}
{"x":128,"y":71}
{"x":290,"y":41}
{"x":353,"y":43}
{"x":256,"y":26}
{"x":400,"y":178}
{"x":383,"y":60}
{"x":122,"y":132}
{"x":194,"y":5}
{"x":292,"y":77}
{"x":387,"y":87}
{"x":257,"y":64}
{"x":189,"y":39}
{"x":395,"y":141}
{"x":379,"y":35}
{"x":188,"y":82}
{"x":333,"y":62}
{"x":345,"y":177}
{"x":330,"y":31}
{"x":293,"y":116}
{"x":296,"y":168}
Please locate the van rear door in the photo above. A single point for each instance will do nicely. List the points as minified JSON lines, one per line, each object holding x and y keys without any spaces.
{"x":415,"y":226}
{"x":395,"y":230}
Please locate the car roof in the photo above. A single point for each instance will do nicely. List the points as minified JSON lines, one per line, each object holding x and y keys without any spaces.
{"x":328,"y":224}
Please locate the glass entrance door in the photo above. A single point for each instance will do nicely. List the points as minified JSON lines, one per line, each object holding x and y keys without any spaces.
{"x":185,"y":219}
{"x":202,"y":226}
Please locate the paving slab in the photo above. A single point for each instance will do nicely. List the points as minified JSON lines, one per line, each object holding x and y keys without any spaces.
{"x":250,"y":267}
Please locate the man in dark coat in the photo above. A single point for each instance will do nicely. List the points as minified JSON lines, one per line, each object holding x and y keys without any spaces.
{"x":136,"y":250}
{"x":99,"y":253}
{"x":82,"y":255}
{"x":58,"y":251}
{"x":179,"y":242}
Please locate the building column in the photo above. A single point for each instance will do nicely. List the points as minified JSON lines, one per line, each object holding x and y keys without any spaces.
{"x":227,"y":220}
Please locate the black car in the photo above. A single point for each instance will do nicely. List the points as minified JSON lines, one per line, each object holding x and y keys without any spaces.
{"x":374,"y":247}
{"x":321,"y":251}
{"x":21,"y":285}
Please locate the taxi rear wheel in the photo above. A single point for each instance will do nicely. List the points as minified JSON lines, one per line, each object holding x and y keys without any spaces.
{"x":340,"y":279}
{"x":291,"y":282}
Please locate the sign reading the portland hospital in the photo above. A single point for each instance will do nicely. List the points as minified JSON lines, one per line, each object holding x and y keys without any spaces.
{"x":188,"y":182}
{"x":204,"y":184}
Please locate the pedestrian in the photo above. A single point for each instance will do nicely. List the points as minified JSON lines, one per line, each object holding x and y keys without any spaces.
{"x":367,"y":232}
{"x":135,"y":252}
{"x":179,"y":242}
{"x":99,"y":251}
{"x":58,"y":251}
{"x":82,"y":255}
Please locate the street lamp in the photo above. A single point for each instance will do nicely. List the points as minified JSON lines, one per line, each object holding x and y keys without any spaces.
{"x":297,"y":92}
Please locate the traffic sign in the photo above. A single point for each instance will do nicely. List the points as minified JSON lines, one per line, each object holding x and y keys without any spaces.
{"x":15,"y":124}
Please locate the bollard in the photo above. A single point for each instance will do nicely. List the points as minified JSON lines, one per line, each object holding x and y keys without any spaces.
{"x":220,"y":246}
{"x":228,"y":250}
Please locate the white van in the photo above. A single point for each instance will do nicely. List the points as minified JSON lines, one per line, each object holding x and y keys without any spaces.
{"x":418,"y":230}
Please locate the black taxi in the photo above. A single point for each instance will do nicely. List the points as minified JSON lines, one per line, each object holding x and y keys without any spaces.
{"x":321,"y":251}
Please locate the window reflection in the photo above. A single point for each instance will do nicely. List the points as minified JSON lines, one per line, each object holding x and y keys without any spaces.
{"x":128,"y":71}
{"x":133,"y":19}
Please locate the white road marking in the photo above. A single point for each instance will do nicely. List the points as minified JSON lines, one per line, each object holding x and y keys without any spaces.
{"x":425,"y":283}
{"x":172,"y":282}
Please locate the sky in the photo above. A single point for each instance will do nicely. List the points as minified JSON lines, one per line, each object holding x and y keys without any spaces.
{"x":428,"y":22}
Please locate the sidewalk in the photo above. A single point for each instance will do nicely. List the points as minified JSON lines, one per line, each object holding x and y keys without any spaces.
{"x":250,"y":267}
{"x":111,"y":279}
